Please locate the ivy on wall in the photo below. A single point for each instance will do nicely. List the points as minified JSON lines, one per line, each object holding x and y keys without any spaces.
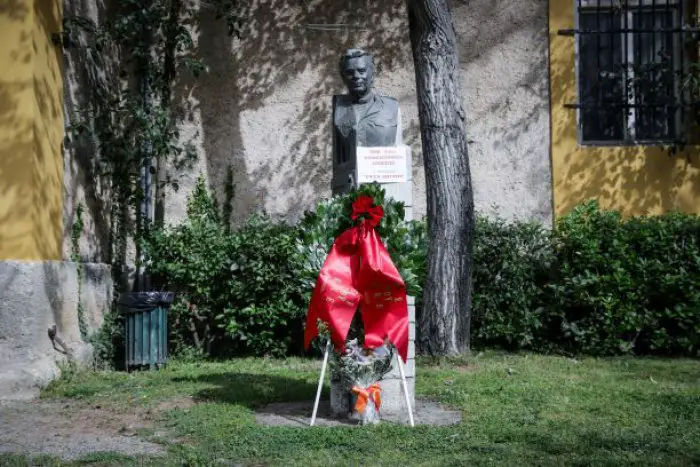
{"x":127,"y":66}
{"x":130,"y":64}
{"x":75,"y":234}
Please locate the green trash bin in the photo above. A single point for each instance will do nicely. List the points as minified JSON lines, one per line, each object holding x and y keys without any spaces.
{"x":146,"y":318}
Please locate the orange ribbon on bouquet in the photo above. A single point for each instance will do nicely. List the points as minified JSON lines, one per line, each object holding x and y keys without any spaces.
{"x":364,"y":395}
{"x":359,"y":270}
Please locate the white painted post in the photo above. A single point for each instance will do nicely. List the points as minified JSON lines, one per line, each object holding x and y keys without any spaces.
{"x":320,"y":382}
{"x":405,"y":392}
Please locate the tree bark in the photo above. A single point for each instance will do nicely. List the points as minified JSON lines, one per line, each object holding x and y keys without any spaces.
{"x":447,"y":297}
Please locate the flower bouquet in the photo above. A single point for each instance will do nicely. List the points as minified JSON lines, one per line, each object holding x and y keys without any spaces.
{"x":360,"y":370}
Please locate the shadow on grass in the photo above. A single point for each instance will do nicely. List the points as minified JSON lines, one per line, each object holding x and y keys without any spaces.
{"x":250,"y":389}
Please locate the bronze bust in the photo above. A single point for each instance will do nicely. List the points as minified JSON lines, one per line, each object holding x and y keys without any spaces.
{"x":362,"y":117}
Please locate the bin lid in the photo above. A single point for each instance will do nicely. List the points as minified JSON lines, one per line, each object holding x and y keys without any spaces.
{"x":145,"y":300}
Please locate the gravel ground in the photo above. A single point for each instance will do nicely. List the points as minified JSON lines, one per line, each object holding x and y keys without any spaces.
{"x":70,"y":430}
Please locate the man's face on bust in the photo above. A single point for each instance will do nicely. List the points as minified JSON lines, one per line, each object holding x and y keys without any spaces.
{"x":357,"y":74}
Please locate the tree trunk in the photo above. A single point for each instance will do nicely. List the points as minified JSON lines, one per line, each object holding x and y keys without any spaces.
{"x":447,"y":297}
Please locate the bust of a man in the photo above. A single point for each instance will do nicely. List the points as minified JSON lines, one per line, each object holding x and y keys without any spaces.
{"x":361,"y":117}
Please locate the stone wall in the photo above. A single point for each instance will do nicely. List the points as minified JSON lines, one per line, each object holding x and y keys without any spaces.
{"x":35,"y":295}
{"x":264,"y":108}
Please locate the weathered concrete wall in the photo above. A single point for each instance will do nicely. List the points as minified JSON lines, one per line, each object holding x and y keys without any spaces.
{"x":81,"y":183}
{"x":505,"y":81}
{"x":33,"y":297}
{"x":264,"y":108}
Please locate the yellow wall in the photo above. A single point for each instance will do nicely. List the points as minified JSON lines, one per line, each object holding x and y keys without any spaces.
{"x":636,"y":180}
{"x":31,"y":131}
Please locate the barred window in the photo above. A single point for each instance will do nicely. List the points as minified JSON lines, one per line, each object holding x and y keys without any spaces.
{"x":632,"y":58}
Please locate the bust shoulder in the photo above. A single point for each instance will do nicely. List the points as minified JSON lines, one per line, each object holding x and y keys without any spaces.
{"x":342,"y":100}
{"x":389,"y":102}
{"x":345,"y":100}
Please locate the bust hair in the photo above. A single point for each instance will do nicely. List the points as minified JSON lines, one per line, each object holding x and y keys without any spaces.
{"x":355,"y":53}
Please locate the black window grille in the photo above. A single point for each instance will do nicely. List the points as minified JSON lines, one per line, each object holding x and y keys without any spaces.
{"x":635,"y":59}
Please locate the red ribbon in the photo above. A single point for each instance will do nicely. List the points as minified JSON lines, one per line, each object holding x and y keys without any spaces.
{"x":359,"y":270}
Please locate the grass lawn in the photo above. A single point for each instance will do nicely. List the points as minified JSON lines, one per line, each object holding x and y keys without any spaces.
{"x":517,"y":410}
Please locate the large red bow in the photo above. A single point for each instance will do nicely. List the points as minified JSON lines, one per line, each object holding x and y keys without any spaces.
{"x":358,"y":269}
{"x":363,"y":208}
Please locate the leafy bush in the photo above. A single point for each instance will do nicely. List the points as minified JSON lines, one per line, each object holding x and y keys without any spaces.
{"x":626,"y":285}
{"x":108,"y":342}
{"x":598,"y":284}
{"x":511,"y":263}
{"x":237,"y":292}
{"x":266,"y":295}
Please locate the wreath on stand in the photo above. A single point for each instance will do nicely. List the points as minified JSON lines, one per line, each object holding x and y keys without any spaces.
{"x":363,"y":227}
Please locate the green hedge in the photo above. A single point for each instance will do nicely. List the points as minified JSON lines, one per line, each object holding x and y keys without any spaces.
{"x":237,"y":292}
{"x":511,"y":263}
{"x":598,"y":284}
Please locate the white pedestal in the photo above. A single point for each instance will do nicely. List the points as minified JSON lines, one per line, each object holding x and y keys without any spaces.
{"x":393,"y":401}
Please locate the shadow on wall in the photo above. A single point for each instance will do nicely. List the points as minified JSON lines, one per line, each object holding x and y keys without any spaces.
{"x":503,"y":50}
{"x":30,"y":132}
{"x":84,"y":74}
{"x":16,"y":129}
{"x":266,"y":103}
{"x":47,"y":208}
{"x":637,"y":180}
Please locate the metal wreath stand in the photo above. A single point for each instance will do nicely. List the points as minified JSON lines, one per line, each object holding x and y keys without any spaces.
{"x":323,"y":374}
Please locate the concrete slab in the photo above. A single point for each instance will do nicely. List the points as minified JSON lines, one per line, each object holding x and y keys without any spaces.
{"x":298,"y":414}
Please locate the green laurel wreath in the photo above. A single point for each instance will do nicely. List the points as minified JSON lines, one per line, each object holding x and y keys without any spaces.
{"x":406,"y":241}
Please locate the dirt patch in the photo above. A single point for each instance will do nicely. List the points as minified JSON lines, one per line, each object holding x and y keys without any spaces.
{"x":184,"y":402}
{"x":298,"y":414}
{"x":72,"y":429}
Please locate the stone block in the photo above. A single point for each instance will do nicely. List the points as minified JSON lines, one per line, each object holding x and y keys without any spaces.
{"x":400,"y":192}
{"x":393,"y":399}
{"x":340,"y":399}
{"x":409,"y":367}
{"x":35,"y":295}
